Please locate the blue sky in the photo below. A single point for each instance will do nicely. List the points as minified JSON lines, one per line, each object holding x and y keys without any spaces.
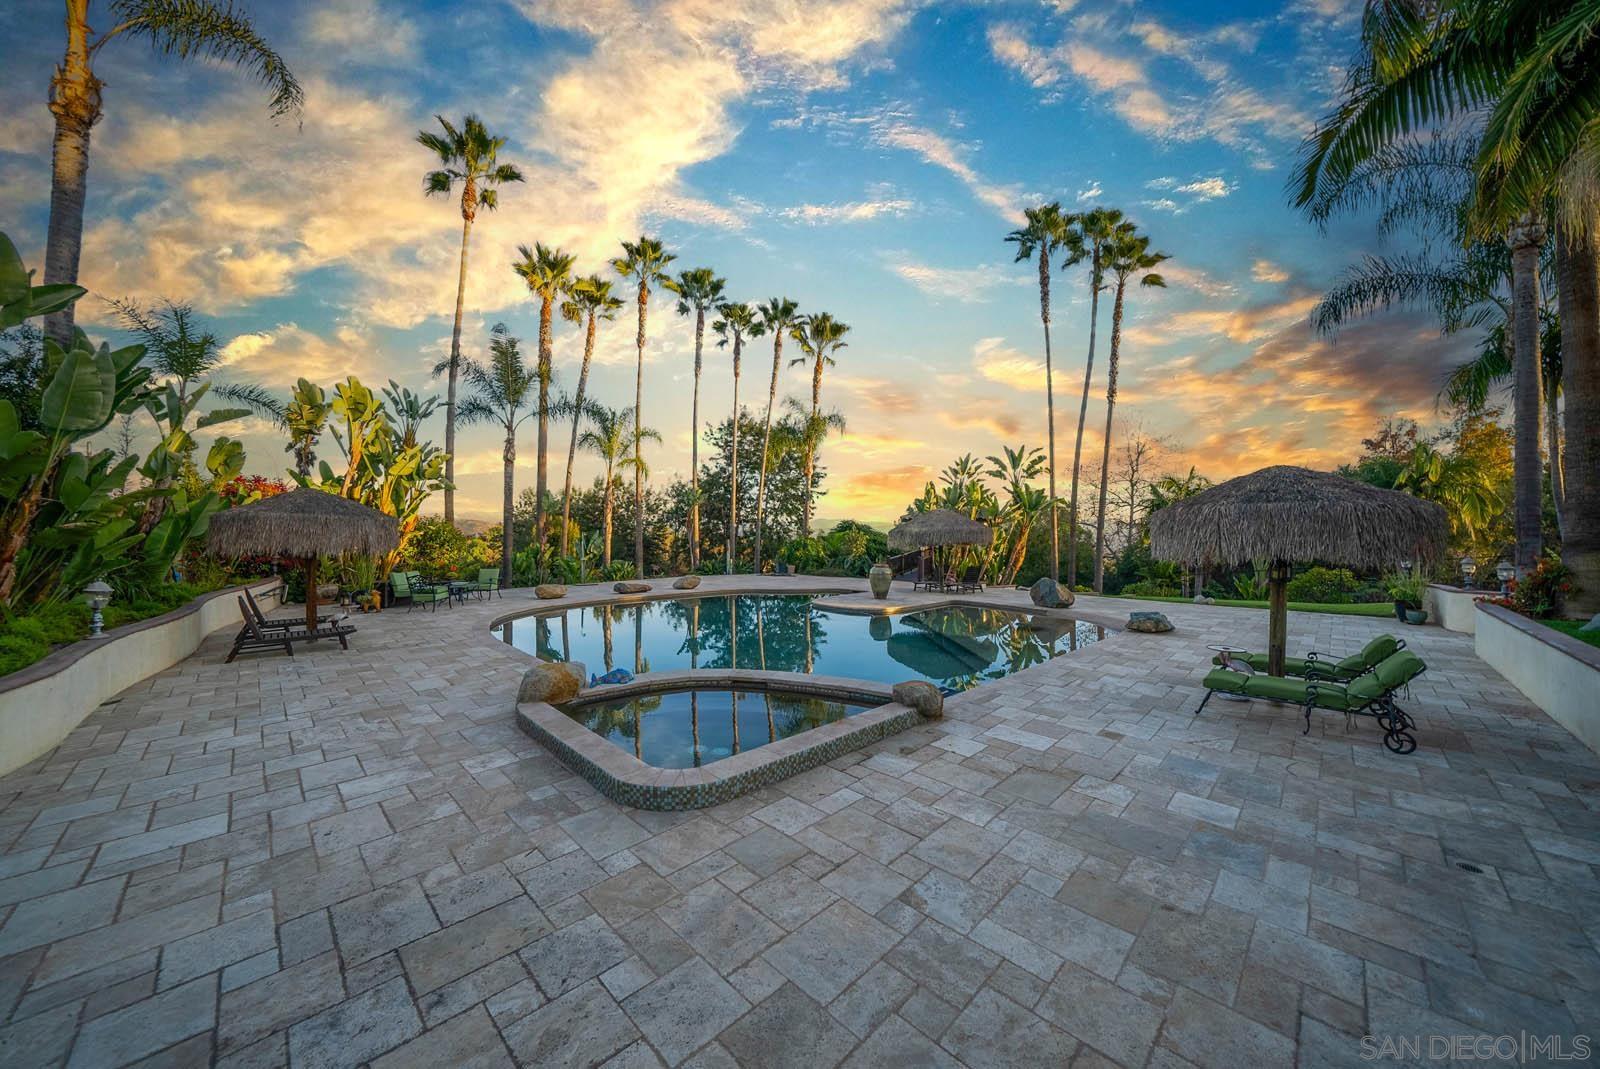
{"x":865,"y":157}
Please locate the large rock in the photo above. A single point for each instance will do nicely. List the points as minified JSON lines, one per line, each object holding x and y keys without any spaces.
{"x":923,"y":697}
{"x":1593,"y":624}
{"x":631,"y":588}
{"x":686,"y":582}
{"x":551,"y":682}
{"x":1049,"y":594}
{"x":549,"y":591}
{"x":1149,"y":622}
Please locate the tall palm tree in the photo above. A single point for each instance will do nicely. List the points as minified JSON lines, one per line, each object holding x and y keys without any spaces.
{"x":1092,"y":232}
{"x":1128,"y":257}
{"x":698,"y":289}
{"x":548,"y":273}
{"x":1529,"y":73}
{"x":736,"y":322}
{"x":588,"y":301}
{"x":820,"y":336}
{"x":470,"y":156}
{"x":780,"y":317}
{"x":612,"y":439}
{"x":1026,"y":505}
{"x":196,"y":29}
{"x":1046,"y":232}
{"x":500,"y":389}
{"x":645,"y":262}
{"x":811,"y":428}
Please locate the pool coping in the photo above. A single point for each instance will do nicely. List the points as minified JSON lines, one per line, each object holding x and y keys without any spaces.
{"x":628,"y":781}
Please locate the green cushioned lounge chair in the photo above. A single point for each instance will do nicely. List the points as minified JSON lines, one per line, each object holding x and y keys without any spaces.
{"x":1324,"y":665}
{"x":1371,"y":694}
{"x":488,"y":582}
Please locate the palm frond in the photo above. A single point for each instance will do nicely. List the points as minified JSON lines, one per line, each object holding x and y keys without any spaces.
{"x":201,"y":28}
{"x":258,"y":399}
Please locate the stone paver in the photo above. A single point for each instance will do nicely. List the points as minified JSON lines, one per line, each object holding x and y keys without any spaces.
{"x":356,"y":857}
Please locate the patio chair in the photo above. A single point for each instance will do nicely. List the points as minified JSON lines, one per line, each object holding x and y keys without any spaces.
{"x":971,"y":580}
{"x":426,"y":593}
{"x":1371,"y":694}
{"x":266,"y":624}
{"x":488,"y":583}
{"x":252,"y":639}
{"x":1323,"y":665}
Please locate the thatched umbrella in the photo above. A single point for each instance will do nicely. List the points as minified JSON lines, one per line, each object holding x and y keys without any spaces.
{"x":941,"y":527}
{"x":303,"y":525}
{"x":1283,"y":514}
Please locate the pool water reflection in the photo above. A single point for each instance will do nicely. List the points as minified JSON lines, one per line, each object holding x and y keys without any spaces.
{"x":686,"y":729}
{"x":956,"y":647}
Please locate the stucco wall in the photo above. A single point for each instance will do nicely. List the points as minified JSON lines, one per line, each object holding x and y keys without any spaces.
{"x":1452,"y":608}
{"x":1558,"y":673}
{"x":42,"y":703}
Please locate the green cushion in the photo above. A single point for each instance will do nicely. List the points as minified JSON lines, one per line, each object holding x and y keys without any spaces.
{"x":401,"y":583}
{"x":1276,"y":688}
{"x":1225,"y":680}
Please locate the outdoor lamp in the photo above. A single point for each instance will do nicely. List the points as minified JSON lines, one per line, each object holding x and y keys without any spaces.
{"x":1405,"y":568}
{"x":1469,"y":568}
{"x":97,"y":595}
{"x":1505,"y":571}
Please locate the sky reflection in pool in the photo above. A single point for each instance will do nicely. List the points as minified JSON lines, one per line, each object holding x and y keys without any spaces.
{"x":956,"y":647}
{"x":687,"y":729}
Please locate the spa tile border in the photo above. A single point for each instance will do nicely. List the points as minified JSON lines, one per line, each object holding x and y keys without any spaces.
{"x":628,"y":781}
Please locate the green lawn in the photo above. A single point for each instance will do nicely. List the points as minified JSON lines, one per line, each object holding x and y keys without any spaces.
{"x":1570,"y":627}
{"x":1369,"y":608}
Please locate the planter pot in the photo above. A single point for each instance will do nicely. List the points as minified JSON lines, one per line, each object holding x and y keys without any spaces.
{"x":1416,"y":616}
{"x":1400,"y":611}
{"x":879,"y":579}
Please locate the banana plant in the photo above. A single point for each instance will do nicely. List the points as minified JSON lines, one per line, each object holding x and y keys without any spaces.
{"x":20,"y":299}
{"x":306,"y":417}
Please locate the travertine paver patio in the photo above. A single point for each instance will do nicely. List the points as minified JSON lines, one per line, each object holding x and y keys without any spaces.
{"x":350,"y":858}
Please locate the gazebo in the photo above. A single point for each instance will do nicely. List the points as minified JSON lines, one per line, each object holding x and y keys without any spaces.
{"x":302,"y":526}
{"x":939,"y":528}
{"x":1284,"y":514}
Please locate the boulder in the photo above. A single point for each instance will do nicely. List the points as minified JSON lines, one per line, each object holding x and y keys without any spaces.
{"x":1593,"y":624}
{"x":686,"y":582}
{"x":923,"y":697}
{"x":1201,"y":599}
{"x":1148,"y":622}
{"x":549,"y":591}
{"x":631,"y":588}
{"x":551,"y":682}
{"x":1049,"y":594}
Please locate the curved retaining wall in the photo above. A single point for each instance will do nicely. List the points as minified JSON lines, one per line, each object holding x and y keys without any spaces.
{"x":41,"y":704}
{"x":1452,"y":608}
{"x":1556,"y":672}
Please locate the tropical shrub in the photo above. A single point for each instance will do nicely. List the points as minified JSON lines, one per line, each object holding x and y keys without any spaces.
{"x":1329,"y":586}
{"x":1542,"y":592}
{"x":1406,"y":589}
{"x":1149,"y":588}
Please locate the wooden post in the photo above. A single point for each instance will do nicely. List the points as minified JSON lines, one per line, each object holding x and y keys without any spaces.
{"x":1277,"y":615}
{"x":311,"y":595}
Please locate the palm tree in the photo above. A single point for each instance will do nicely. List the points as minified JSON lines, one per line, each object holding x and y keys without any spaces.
{"x":1528,"y":73}
{"x":306,"y":418}
{"x":548,"y":273}
{"x":779,"y":317}
{"x":612,"y":439}
{"x":736,"y":323}
{"x":1128,"y":256}
{"x":698,"y":290}
{"x":469,"y":156}
{"x":499,"y":390}
{"x":1087,"y":239}
{"x":1016,"y":469}
{"x":811,"y":428}
{"x":588,"y":300}
{"x":1047,"y":231}
{"x":644,"y":261}
{"x":820,"y":336}
{"x":196,"y":29}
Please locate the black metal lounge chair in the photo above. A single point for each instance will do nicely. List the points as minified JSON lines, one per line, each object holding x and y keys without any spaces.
{"x":1371,"y":694}
{"x":282,"y":625}
{"x":252,"y":639}
{"x":971,"y":580}
{"x":1325,"y":665}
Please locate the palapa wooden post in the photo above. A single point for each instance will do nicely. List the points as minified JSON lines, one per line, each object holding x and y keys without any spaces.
{"x":311,"y":595}
{"x":1277,"y":616}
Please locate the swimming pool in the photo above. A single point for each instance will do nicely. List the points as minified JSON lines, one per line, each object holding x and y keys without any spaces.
{"x":691,"y":728}
{"x":956,"y":647}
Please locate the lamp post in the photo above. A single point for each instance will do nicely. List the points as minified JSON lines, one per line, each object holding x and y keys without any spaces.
{"x":1469,"y":568}
{"x":97,"y":595}
{"x":1405,"y":568}
{"x":1505,"y":571}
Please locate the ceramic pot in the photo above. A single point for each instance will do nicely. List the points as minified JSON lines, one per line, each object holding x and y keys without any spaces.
{"x":879,"y":579}
{"x":1416,"y":616}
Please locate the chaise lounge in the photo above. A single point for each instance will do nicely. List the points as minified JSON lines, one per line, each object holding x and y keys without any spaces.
{"x":1371,"y":694}
{"x":1324,"y":665}
{"x":252,"y":638}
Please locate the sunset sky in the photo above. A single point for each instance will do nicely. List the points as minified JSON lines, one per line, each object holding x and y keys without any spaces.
{"x":864,"y":157}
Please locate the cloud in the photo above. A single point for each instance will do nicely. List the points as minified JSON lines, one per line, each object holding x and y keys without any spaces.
{"x":1182,"y":276}
{"x":847,"y":212}
{"x":970,"y":285}
{"x":1242,"y":325}
{"x":358,"y":31}
{"x":940,"y":151}
{"x":280,"y":355}
{"x":997,"y":362}
{"x":1207,"y":188}
{"x":1267,"y":271}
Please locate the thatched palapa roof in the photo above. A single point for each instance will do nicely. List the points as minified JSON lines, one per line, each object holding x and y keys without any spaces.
{"x":941,"y":527}
{"x":302,"y":524}
{"x":1295,"y":514}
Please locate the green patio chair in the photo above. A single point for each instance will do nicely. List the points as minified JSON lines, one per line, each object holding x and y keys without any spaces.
{"x":399,"y":587}
{"x":1371,"y":694}
{"x":488,"y":583}
{"x":1324,"y":665}
{"x":410,"y":585}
